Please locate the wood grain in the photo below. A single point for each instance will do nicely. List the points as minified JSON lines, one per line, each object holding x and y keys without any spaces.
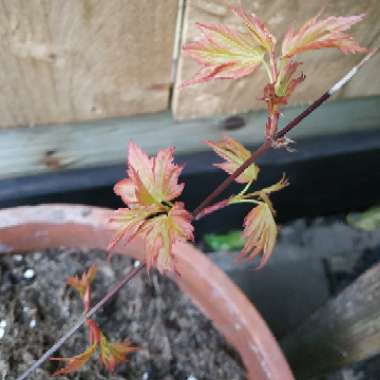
{"x":322,"y":68}
{"x":344,"y":331}
{"x":74,"y":60}
{"x":27,"y":151}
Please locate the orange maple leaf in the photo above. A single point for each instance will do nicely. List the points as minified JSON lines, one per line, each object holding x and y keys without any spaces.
{"x":286,"y":83}
{"x":224,"y":53}
{"x":162,"y":232}
{"x":260,"y":233}
{"x":150,"y":180}
{"x":281,"y":184}
{"x":235,"y":155}
{"x":260,"y":229}
{"x":256,"y":28}
{"x":75,"y":363}
{"x":324,"y":33}
{"x":114,"y":353}
{"x":111,"y":354}
{"x":83,"y":283}
{"x":148,"y":192}
{"x":130,"y":220}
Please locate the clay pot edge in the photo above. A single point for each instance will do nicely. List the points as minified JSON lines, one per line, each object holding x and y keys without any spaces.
{"x":48,"y":226}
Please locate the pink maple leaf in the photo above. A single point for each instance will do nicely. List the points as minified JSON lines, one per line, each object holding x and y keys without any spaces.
{"x":260,"y":229}
{"x":319,"y":33}
{"x":234,"y":154}
{"x":114,"y":353}
{"x":75,"y":363}
{"x":149,"y":190}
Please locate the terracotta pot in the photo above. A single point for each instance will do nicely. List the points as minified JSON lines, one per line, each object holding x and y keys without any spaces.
{"x":49,"y":226}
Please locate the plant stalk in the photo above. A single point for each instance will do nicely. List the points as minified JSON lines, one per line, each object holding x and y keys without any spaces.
{"x":131,"y":274}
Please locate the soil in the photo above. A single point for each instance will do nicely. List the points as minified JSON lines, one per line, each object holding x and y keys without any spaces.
{"x":175,"y":340}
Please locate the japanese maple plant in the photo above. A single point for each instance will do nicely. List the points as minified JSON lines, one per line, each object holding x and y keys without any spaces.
{"x":152,"y":187}
{"x":110,"y":353}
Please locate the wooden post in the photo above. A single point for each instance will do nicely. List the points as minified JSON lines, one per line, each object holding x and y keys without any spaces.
{"x":344,"y":331}
{"x":75,"y":60}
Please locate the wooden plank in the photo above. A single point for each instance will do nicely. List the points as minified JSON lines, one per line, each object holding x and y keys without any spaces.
{"x":313,"y":165}
{"x":74,"y":60}
{"x":25,"y":151}
{"x":344,"y":331}
{"x":322,"y":68}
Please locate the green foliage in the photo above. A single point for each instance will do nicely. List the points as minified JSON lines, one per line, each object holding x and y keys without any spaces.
{"x":368,"y":220}
{"x":229,"y":241}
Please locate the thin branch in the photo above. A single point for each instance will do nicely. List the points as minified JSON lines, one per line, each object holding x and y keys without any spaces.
{"x":82,"y":320}
{"x":268,"y":144}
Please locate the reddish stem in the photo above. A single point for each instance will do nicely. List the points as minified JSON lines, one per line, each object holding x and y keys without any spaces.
{"x":258,"y":152}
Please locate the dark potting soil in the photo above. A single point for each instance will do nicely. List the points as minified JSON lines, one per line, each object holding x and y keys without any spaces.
{"x":175,"y":340}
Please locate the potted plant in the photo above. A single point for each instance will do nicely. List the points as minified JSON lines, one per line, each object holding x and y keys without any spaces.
{"x":155,"y":227}
{"x":40,"y":227}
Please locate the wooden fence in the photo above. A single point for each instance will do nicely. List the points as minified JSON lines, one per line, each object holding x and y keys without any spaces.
{"x":69,"y":66}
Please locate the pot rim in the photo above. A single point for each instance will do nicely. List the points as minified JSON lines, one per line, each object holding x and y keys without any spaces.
{"x":79,"y":226}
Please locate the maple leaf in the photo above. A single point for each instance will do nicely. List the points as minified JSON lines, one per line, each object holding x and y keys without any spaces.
{"x":83,"y":285}
{"x":286,"y":83}
{"x":151,"y":180}
{"x":114,"y":353}
{"x":256,"y":28}
{"x":224,"y":53}
{"x":162,"y":232}
{"x":148,"y":191}
{"x":281,"y":184}
{"x":260,"y":233}
{"x":260,"y":229}
{"x":130,"y":220}
{"x":235,"y":155}
{"x":322,"y":33}
{"x":111,"y":354}
{"x":75,"y":363}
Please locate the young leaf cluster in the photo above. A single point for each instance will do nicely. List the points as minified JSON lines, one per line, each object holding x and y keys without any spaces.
{"x":111,"y":354}
{"x":152,"y":185}
{"x":151,"y":212}
{"x":225,"y":53}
